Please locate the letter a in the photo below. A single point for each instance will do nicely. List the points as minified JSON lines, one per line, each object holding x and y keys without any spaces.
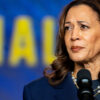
{"x":23,"y":42}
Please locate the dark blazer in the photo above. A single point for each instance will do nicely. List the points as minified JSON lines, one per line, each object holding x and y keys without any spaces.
{"x":42,"y":90}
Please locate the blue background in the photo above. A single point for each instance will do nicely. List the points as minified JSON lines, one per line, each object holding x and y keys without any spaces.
{"x":13,"y":79}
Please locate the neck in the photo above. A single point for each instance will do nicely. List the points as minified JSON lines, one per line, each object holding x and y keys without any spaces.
{"x":92,"y":65}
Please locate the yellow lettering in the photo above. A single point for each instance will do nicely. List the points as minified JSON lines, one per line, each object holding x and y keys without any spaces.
{"x":48,"y":40}
{"x":1,"y":40}
{"x":23,"y":43}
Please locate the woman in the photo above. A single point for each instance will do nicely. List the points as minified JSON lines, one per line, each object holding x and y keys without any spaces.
{"x":78,"y":47}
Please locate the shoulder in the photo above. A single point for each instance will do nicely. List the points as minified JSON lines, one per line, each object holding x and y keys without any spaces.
{"x":35,"y":88}
{"x":40,"y":89}
{"x":38,"y":83}
{"x":42,"y":83}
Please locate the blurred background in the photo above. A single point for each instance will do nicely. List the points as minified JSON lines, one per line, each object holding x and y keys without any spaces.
{"x":28,"y":30}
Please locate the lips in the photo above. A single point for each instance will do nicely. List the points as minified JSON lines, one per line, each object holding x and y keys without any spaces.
{"x":76,"y":48}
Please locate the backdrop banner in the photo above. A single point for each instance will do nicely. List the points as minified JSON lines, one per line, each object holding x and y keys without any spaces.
{"x":28,"y":30}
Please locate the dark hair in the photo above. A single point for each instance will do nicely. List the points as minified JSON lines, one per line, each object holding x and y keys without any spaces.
{"x":63,"y":64}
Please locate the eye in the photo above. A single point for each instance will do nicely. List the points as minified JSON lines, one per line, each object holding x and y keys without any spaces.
{"x":67,"y":28}
{"x":83,"y":27}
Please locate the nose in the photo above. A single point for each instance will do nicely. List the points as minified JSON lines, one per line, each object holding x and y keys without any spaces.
{"x":75,"y":34}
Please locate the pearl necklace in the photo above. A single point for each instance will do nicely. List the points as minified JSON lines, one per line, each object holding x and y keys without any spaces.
{"x":97,"y":90}
{"x":74,"y":80}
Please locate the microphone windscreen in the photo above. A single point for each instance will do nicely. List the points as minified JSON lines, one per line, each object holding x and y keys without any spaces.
{"x":84,"y":83}
{"x":83,"y":76}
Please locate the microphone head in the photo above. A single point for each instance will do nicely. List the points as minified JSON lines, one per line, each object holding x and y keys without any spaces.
{"x":84,"y":82}
{"x":84,"y":78}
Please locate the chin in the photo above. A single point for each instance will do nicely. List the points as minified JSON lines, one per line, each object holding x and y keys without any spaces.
{"x":78,"y":58}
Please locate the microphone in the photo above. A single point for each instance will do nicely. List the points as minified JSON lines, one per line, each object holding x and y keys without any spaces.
{"x":84,"y":83}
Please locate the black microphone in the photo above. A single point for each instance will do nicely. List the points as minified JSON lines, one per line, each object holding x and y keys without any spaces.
{"x":84,"y":83}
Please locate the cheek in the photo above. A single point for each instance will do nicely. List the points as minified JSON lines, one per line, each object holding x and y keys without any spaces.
{"x":95,"y":39}
{"x":97,"y":43}
{"x":67,"y":41}
{"x":91,"y":38}
{"x":93,"y":43}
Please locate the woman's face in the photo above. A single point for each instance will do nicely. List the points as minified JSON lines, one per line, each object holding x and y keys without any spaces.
{"x":82,"y":33}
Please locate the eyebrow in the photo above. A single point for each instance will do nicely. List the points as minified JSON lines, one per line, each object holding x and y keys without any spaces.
{"x":67,"y":22}
{"x":82,"y":22}
{"x":77,"y":22}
